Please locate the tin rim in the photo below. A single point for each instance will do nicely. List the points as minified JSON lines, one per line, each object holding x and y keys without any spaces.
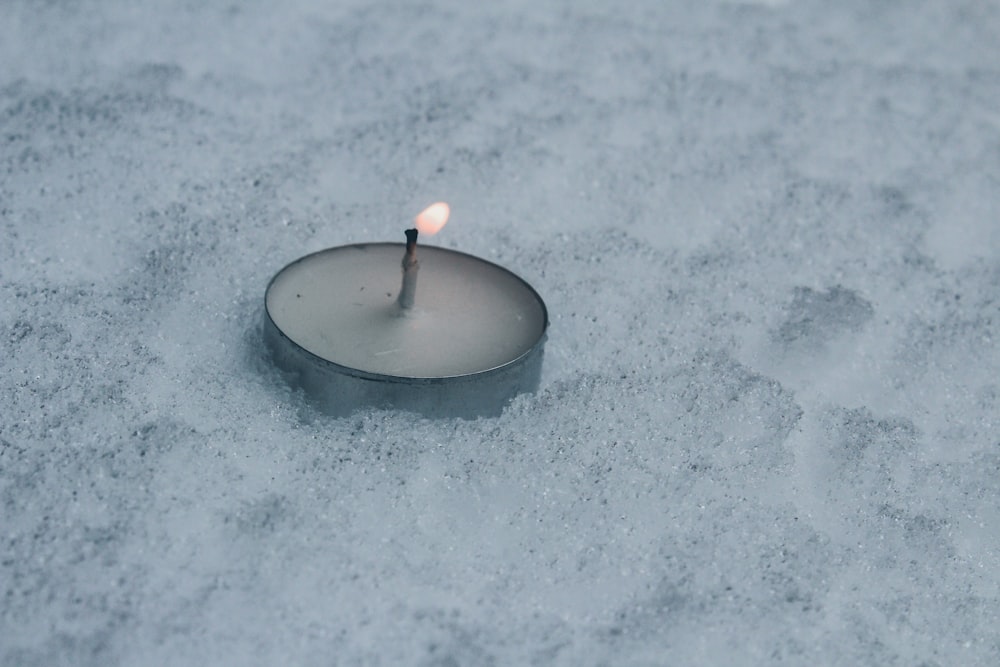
{"x":407,"y":379}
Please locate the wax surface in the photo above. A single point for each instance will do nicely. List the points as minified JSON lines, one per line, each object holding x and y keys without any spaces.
{"x":470,"y":315}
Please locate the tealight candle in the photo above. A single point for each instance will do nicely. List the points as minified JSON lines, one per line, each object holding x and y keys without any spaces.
{"x":455,"y":335}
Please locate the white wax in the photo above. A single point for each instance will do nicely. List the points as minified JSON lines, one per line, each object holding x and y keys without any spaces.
{"x":470,"y":315}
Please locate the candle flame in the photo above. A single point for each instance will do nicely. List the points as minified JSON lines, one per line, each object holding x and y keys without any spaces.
{"x":432,"y":219}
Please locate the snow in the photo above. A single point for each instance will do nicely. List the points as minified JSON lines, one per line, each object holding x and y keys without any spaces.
{"x":767,"y":428}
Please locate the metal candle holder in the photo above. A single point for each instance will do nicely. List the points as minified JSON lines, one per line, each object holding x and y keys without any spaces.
{"x":339,"y":389}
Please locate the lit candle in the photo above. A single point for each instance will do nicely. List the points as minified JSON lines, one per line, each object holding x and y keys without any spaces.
{"x":461,"y":340}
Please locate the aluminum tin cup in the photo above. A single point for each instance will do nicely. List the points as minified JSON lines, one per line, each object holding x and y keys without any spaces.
{"x":340,"y":390}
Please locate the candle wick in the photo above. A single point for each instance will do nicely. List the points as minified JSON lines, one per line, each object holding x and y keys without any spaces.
{"x":408,"y":290}
{"x":411,"y":241}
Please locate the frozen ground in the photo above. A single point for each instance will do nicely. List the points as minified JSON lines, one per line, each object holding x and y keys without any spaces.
{"x":769,"y":424}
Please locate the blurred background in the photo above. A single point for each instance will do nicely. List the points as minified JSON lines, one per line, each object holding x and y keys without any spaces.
{"x":768,"y":235}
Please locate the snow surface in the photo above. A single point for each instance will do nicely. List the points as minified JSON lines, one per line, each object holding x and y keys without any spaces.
{"x":768,"y":234}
